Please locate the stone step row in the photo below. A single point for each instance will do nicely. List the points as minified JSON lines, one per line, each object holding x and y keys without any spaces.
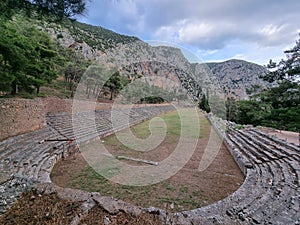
{"x":264,"y":151}
{"x":30,"y":153}
{"x":13,"y":143}
{"x":30,"y":157}
{"x":282,"y":148}
{"x":274,"y":139}
{"x":83,"y":126}
{"x":270,"y":193}
{"x":286,"y":187}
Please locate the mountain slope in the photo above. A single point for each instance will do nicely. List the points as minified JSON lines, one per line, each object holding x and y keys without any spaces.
{"x":237,"y":76}
{"x":233,"y":77}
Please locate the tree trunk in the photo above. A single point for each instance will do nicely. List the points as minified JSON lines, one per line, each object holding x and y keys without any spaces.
{"x":89,"y":92}
{"x":14,"y":89}
{"x":87,"y":89}
{"x":72,"y":92}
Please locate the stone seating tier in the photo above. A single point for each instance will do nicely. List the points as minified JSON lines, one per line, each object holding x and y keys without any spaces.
{"x":270,"y":193}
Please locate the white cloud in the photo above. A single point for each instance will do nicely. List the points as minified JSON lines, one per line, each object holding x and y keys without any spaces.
{"x":192,"y":32}
{"x":199,"y":33}
{"x":270,"y":29}
{"x":166,"y":33}
{"x":253,"y":25}
{"x":184,"y":31}
{"x":211,"y":52}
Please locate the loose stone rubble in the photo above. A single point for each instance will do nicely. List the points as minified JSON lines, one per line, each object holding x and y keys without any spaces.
{"x":269,"y":195}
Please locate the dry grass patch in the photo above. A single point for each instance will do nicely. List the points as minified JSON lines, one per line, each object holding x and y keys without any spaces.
{"x":49,"y":209}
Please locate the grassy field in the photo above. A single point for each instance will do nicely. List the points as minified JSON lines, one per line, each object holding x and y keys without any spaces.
{"x":188,"y":189}
{"x":173,"y":130}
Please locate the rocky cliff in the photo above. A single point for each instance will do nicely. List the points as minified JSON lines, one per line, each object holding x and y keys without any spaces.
{"x":237,"y":77}
{"x":130,"y":54}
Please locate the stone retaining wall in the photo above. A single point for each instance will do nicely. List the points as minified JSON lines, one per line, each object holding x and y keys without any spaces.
{"x":18,"y":116}
{"x":54,"y":105}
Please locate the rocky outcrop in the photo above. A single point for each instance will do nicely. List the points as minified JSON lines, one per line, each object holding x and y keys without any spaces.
{"x":232,"y":78}
{"x":168,"y":77}
{"x":237,"y":77}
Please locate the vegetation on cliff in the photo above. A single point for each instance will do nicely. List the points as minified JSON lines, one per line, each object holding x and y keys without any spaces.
{"x":32,"y":58}
{"x":29,"y":58}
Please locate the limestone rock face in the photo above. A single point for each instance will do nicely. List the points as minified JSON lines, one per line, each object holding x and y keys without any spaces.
{"x":232,"y":78}
{"x":236,"y":76}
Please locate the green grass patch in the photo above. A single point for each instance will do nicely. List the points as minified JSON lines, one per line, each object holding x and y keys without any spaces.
{"x":164,"y":193}
{"x":156,"y":195}
{"x":174,"y":128}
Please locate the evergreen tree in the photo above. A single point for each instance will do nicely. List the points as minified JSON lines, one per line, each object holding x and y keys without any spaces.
{"x":231,"y":109}
{"x":287,"y":69}
{"x":61,"y":8}
{"x":114,"y":84}
{"x":284,"y":98}
{"x":28,"y":58}
{"x":203,"y":104}
{"x":278,"y":106}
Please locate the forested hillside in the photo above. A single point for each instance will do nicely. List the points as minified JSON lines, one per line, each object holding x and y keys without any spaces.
{"x":33,"y":61}
{"x":29,"y":58}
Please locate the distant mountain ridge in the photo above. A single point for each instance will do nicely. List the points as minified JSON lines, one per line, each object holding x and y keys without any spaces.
{"x":233,"y":77}
{"x":238,"y":76}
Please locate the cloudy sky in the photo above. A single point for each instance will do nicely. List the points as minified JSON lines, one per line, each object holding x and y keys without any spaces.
{"x":213,"y":30}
